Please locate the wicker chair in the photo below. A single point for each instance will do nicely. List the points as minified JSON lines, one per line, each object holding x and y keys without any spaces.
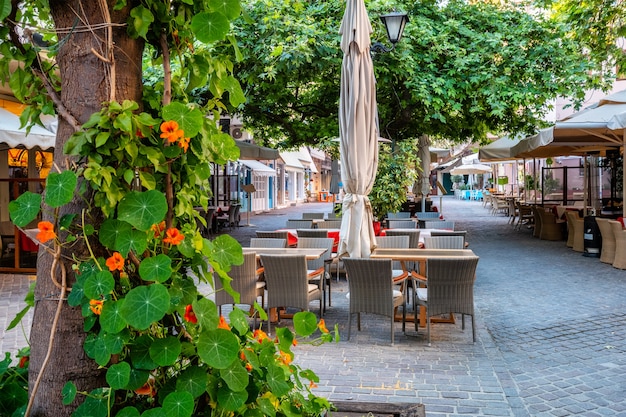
{"x":620,"y":245}
{"x":282,"y":234}
{"x":287,"y":284}
{"x":230,"y":218}
{"x":312,"y":233}
{"x":551,"y":229}
{"x":575,"y":231}
{"x":311,"y":216}
{"x":444,"y":242}
{"x":525,"y":215}
{"x":450,"y":288}
{"x":401,"y":224}
{"x":267,"y":242}
{"x":371,"y":291}
{"x":299,"y":224}
{"x":399,"y":215}
{"x":329,"y":224}
{"x":318,"y":268}
{"x":413,"y":234}
{"x":244,"y":281}
{"x":607,"y":255}
{"x":436,"y":233}
{"x":395,"y":242}
{"x":537,"y":221}
{"x":439,"y":224}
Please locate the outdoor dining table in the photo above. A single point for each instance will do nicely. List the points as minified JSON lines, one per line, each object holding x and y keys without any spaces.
{"x":420,"y":256}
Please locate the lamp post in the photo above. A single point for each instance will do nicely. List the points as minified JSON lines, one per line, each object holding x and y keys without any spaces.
{"x":394,"y":24}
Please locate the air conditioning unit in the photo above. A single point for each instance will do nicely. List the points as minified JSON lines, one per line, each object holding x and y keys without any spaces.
{"x":236,"y":132}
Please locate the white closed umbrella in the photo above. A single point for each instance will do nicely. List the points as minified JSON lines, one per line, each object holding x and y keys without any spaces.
{"x":470,"y":169}
{"x":358,"y":132}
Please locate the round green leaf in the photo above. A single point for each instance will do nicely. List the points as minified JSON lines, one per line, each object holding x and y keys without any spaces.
{"x":111,"y":318}
{"x":95,"y":405}
{"x":60,"y":188}
{"x":206,"y":312}
{"x":128,"y":412}
{"x":193,"y":380}
{"x":136,"y":241}
{"x":218,"y":348}
{"x":68,"y":392}
{"x":225,"y":250}
{"x":140,"y":353}
{"x":25,"y":208}
{"x":96,"y":349}
{"x":118,"y":375}
{"x":165,"y":351}
{"x":145,"y":305}
{"x":138,"y":378}
{"x":276,"y":380}
{"x":188,"y":119}
{"x":115,"y":342}
{"x":101,"y":283}
{"x":239,"y":320}
{"x":143,"y":209}
{"x":111,"y":230}
{"x":235,"y":376}
{"x":229,"y":8}
{"x":210,"y":27}
{"x":154,"y":412}
{"x":231,"y":400}
{"x":156,"y":268}
{"x":178,"y":404}
{"x":304,"y":323}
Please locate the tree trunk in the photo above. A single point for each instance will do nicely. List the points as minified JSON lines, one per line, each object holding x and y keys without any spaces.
{"x":82,"y":29}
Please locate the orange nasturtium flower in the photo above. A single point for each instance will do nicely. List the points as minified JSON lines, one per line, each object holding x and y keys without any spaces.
{"x":312,"y":384}
{"x":171,"y":132}
{"x":46,"y":231}
{"x":158,"y":228}
{"x":96,"y":306}
{"x":190,"y":316}
{"x":147,"y":388}
{"x":183,"y":143}
{"x":115,"y":262}
{"x":223,"y":324}
{"x":322,"y":326}
{"x":173,"y":236}
{"x":260,"y":335}
{"x":285,"y":358}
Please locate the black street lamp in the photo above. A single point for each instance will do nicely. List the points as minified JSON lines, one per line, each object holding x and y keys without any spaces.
{"x":394,"y":24}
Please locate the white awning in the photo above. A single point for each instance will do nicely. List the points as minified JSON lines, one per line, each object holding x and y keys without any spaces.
{"x":13,"y":136}
{"x":257,"y":167}
{"x":292,"y":163}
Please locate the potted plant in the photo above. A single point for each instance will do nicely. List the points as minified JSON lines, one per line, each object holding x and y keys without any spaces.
{"x":396,"y":174}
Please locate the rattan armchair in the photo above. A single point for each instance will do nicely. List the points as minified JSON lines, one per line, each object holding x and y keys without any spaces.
{"x":450,"y":289}
{"x":371,"y":291}
{"x":329,"y":224}
{"x":439,"y":224}
{"x":401,"y":224}
{"x":299,"y":224}
{"x":244,"y":281}
{"x":312,"y":233}
{"x":607,"y":255}
{"x":620,"y":245}
{"x":320,"y":268}
{"x":267,"y":242}
{"x":575,"y":231}
{"x":551,"y":229}
{"x":287,"y":284}
{"x":308,"y":216}
{"x":444,"y":242}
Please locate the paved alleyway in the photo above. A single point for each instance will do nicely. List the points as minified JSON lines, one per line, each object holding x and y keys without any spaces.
{"x":551,"y":331}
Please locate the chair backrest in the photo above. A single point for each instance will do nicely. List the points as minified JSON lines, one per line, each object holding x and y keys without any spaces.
{"x":329,"y":224}
{"x":267,"y":242}
{"x":607,"y":254}
{"x":299,"y":224}
{"x":370,"y":285}
{"x":312,"y":233}
{"x":310,"y":216}
{"x":393,"y":242}
{"x":413,"y":234}
{"x":399,"y":215}
{"x":333,"y":216}
{"x":401,"y":224}
{"x":286,"y":281}
{"x":244,"y":281}
{"x":235,"y":218}
{"x":273,"y":234}
{"x":441,"y":232}
{"x":444,"y":242}
{"x":451,"y":285}
{"x":427,"y":215}
{"x":439,"y":224}
{"x":317,"y":242}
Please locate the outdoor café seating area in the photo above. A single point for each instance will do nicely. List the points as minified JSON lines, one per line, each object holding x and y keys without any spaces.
{"x":298,"y":269}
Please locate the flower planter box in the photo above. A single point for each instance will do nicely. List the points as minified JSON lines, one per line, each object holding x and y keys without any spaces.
{"x":360,"y":409}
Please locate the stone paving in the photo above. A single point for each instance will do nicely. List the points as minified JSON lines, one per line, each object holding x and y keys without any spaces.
{"x":551,"y":331}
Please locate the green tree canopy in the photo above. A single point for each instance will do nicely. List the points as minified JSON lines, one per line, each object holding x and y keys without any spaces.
{"x":461,"y":70}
